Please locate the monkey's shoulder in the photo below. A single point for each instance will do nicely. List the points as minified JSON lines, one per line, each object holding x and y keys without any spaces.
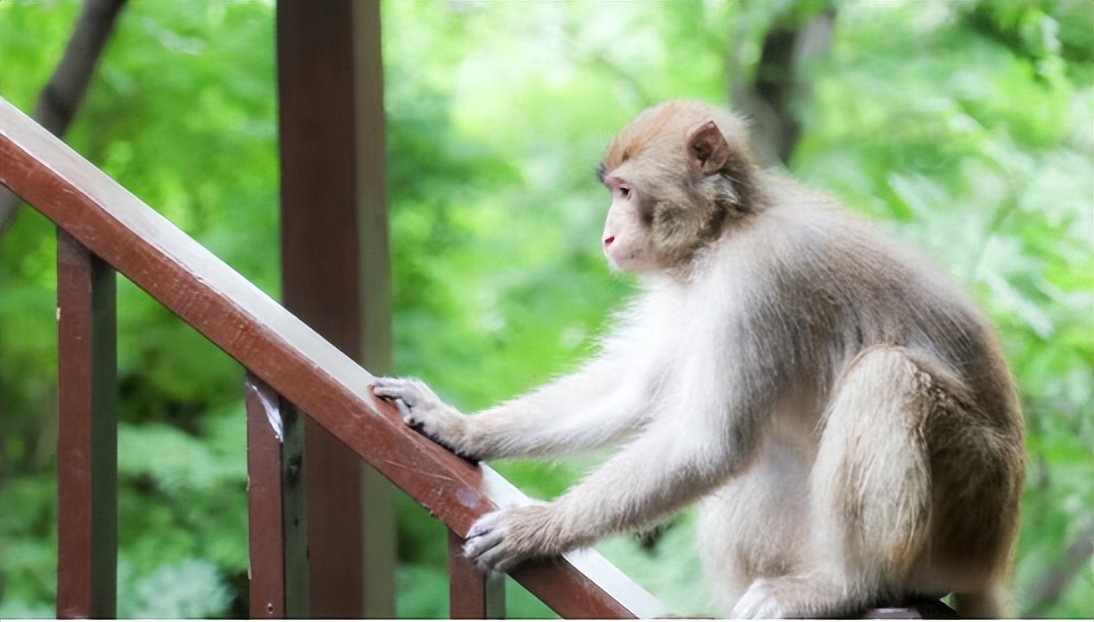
{"x":814,"y":262}
{"x":809,"y":239}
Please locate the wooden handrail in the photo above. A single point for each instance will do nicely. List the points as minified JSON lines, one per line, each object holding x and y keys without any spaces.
{"x":284,"y":353}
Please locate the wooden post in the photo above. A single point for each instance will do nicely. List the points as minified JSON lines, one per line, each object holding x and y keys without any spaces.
{"x":335,"y":275}
{"x":87,"y":434}
{"x":472,"y":595}
{"x":276,"y":503}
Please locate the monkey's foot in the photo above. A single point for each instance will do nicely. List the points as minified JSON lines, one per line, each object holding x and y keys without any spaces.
{"x":762,"y":600}
{"x":811,"y":595}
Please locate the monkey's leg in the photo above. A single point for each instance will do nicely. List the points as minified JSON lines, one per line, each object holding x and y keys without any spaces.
{"x":757,"y":524}
{"x":871,"y":490}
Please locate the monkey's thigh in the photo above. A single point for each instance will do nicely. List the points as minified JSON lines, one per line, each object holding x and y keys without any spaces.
{"x":871,"y":483}
{"x":755,"y":525}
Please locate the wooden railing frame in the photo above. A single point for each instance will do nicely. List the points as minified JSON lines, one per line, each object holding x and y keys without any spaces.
{"x":280,"y":352}
{"x":103,"y":229}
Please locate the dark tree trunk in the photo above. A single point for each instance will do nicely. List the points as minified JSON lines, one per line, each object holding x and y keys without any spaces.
{"x":802,"y":32}
{"x":1056,"y":580}
{"x":61,"y":97}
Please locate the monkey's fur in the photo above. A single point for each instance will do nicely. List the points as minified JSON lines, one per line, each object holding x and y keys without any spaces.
{"x":842,"y":413}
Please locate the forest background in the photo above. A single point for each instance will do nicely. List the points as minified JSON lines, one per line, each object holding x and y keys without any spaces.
{"x":963,"y":127}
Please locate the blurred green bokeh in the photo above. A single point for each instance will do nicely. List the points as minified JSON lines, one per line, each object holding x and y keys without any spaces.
{"x":965,"y":127}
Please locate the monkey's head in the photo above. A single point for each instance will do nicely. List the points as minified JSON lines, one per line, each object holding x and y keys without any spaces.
{"x":678,"y":174}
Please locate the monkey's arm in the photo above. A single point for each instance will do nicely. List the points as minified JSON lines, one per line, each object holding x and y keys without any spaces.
{"x":574,"y":413}
{"x":550,"y":421}
{"x":679,"y":457}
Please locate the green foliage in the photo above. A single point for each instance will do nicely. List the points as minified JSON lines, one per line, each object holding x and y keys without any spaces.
{"x":182,"y":501}
{"x":964,"y":127}
{"x":422,"y":591}
{"x":189,"y":589}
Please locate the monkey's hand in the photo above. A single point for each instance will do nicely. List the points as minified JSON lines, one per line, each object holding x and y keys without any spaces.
{"x":500,"y":540}
{"x":425,"y":412}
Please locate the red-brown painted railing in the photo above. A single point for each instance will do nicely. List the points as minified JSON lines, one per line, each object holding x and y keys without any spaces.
{"x":103,"y":228}
{"x":87,"y":532}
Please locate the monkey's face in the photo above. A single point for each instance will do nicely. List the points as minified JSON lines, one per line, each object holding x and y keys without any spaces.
{"x":627,"y":240}
{"x":662,"y":214}
{"x":674,"y":178}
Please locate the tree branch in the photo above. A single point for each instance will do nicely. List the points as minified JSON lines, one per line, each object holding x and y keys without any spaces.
{"x":1052,"y":585}
{"x":801,"y":33}
{"x":61,"y":97}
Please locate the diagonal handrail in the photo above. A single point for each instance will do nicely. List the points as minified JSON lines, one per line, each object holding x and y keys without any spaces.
{"x":285,"y":353}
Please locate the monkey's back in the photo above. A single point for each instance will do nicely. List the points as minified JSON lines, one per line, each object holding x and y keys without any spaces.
{"x":840,"y":287}
{"x":822,"y":288}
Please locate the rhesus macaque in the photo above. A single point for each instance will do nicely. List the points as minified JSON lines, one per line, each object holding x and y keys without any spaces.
{"x":842,"y":413}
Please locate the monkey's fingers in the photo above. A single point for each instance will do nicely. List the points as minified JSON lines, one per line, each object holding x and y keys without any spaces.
{"x":411,"y":390}
{"x":404,"y":410}
{"x":498,"y":560}
{"x":485,"y":542}
{"x":387,"y":389}
{"x":486,"y":532}
{"x":400,"y":393}
{"x":495,"y":556}
{"x":391,"y":388}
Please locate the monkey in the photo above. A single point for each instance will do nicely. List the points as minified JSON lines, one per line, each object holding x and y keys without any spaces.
{"x":840,"y":412}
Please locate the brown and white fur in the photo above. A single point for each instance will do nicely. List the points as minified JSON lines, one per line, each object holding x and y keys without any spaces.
{"x":840,"y":411}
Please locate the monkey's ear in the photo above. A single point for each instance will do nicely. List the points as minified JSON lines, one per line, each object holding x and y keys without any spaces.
{"x":707,"y":149}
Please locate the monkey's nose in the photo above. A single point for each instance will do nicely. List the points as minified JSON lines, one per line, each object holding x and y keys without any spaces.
{"x":608,"y":241}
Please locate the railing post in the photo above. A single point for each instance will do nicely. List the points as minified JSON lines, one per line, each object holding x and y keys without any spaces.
{"x":335,"y":274}
{"x":276,"y":505}
{"x":87,"y":434}
{"x":471,"y":594}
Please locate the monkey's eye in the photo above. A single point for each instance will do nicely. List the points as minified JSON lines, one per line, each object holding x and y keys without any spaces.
{"x":624,"y":192}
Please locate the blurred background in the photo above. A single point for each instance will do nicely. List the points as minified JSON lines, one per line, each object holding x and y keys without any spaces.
{"x":963,"y":127}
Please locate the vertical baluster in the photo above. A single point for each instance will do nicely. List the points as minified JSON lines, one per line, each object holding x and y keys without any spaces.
{"x":294,"y":514}
{"x":276,"y":505}
{"x":267,"y":561}
{"x":87,"y":434}
{"x":471,"y":594}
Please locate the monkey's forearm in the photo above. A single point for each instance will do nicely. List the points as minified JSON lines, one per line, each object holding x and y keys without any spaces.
{"x":654,"y":476}
{"x":657,"y":474}
{"x":537,"y":426}
{"x":574,"y":413}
